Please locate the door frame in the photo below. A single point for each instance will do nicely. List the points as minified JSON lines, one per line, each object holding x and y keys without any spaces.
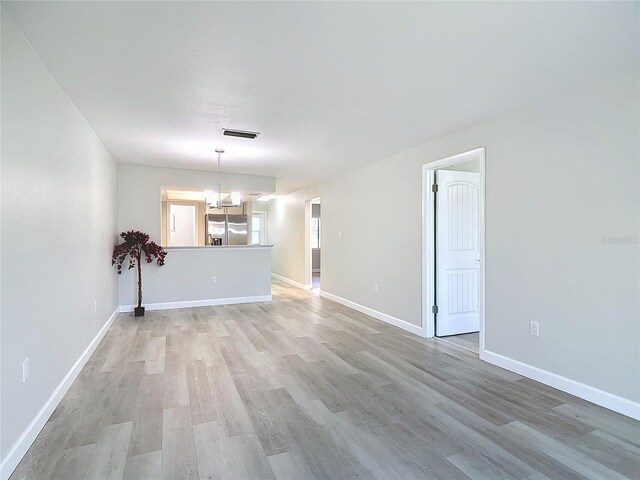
{"x":196,"y":225}
{"x":308,"y":254}
{"x":263,"y":224}
{"x":428,"y":245}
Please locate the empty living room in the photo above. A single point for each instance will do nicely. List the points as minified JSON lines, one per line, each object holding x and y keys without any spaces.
{"x":264,"y":240}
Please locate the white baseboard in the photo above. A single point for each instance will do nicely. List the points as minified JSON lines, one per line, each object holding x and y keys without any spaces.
{"x":594,"y":395}
{"x":409,"y":327}
{"x":199,"y":303}
{"x":19,"y":449}
{"x":292,"y":282}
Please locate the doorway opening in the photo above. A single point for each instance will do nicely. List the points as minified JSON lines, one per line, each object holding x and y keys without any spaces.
{"x":182,"y":224}
{"x":454,"y":250}
{"x":259,"y":227}
{"x":315,"y":243}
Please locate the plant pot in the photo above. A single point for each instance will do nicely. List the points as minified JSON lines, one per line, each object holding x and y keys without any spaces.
{"x":138,"y":311}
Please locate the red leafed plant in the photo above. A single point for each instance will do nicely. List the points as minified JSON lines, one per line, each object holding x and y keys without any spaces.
{"x":136,"y":245}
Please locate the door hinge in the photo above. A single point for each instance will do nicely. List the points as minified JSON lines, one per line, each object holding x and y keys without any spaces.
{"x":434,"y":188}
{"x":434,"y":309}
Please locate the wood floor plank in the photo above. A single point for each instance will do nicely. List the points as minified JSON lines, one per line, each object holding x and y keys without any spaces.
{"x":324,"y":458}
{"x":616,"y":454}
{"x":155,"y":355}
{"x":146,"y":466}
{"x":249,"y":460}
{"x":477,"y":466}
{"x":533,"y":457}
{"x":470,"y":440}
{"x":41,"y":459}
{"x":202,"y":399}
{"x":212,"y":449}
{"x":74,"y":463}
{"x":290,"y":465}
{"x":127,"y":392}
{"x":562,"y":452}
{"x":178,"y":445}
{"x":270,"y":428}
{"x":614,"y":424}
{"x":110,"y":453}
{"x":176,"y":389}
{"x":235,"y":419}
{"x":147,"y":419}
{"x":370,"y":449}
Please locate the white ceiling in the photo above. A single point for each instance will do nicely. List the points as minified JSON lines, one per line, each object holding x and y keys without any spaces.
{"x":330,"y":86}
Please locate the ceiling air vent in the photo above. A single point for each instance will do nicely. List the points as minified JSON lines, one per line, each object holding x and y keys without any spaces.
{"x":239,"y":133}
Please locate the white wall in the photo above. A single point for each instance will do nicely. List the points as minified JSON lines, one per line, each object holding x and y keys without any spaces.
{"x":287,"y":221}
{"x":315,"y":259}
{"x":561,"y":175}
{"x":260,"y":206}
{"x":470,"y":166}
{"x":59,"y":219}
{"x":241,"y":272}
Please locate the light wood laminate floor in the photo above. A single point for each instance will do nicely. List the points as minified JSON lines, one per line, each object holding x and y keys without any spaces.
{"x":304,"y":388}
{"x":468,"y":341}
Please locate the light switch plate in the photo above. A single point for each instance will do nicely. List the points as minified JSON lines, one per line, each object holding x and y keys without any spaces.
{"x":25,"y":370}
{"x":534,"y":328}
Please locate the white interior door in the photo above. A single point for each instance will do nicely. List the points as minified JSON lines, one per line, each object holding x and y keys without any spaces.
{"x":457,"y":252}
{"x":182,"y":225}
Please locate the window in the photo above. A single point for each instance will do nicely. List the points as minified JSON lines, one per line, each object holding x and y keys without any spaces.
{"x":315,"y":232}
{"x":259,"y":228}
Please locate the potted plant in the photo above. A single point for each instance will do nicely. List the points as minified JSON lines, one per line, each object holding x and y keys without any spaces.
{"x":136,"y":246}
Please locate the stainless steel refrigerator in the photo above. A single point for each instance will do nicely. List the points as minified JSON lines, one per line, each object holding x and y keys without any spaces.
{"x":225,"y":229}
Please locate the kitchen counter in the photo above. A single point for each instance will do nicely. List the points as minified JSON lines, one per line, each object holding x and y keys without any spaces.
{"x":216,"y":247}
{"x":202,"y":276}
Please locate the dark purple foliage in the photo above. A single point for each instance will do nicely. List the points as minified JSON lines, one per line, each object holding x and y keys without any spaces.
{"x":137,"y":246}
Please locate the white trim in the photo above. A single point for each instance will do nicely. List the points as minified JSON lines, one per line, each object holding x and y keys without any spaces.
{"x":292,"y":282}
{"x":428,"y":231}
{"x":263,"y":226}
{"x":214,"y":248}
{"x":24,"y":442}
{"x":599,"y":397}
{"x":316,"y":270}
{"x":199,"y":303}
{"x":409,"y":327}
{"x":308,"y":255}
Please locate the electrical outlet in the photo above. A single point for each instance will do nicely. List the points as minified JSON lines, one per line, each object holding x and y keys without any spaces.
{"x":340,"y":235}
{"x":214,"y":280}
{"x":375,"y":288}
{"x":25,"y":370}
{"x":95,"y":305}
{"x":534,"y":328}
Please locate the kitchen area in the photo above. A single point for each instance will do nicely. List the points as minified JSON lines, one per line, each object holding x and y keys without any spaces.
{"x":216,"y":243}
{"x":188,"y":219}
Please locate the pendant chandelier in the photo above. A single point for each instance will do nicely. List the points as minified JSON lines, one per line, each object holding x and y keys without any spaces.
{"x":214,"y":199}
